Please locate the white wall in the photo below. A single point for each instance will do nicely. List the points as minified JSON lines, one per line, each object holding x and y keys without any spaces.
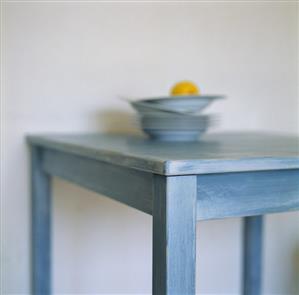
{"x":65,"y":64}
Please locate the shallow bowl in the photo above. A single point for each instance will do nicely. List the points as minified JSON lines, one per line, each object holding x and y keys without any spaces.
{"x":175,"y":122}
{"x":175,"y":128}
{"x":182,"y":104}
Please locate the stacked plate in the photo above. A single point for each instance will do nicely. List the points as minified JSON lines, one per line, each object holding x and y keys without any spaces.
{"x":176,"y":118}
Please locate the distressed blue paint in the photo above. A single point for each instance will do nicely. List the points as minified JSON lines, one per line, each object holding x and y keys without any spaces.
{"x":128,"y":186}
{"x":174,"y":230}
{"x":41,"y":226}
{"x":221,"y":176}
{"x":247,"y":193}
{"x":252,"y":256}
{"x":217,"y":153}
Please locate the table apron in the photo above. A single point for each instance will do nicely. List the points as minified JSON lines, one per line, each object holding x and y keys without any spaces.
{"x":128,"y":186}
{"x":218,"y":195}
{"x":247,"y":193}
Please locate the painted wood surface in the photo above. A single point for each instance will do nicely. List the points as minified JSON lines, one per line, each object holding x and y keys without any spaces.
{"x":252,"y":255}
{"x":131,"y":187}
{"x":174,"y":235}
{"x":41,"y":226}
{"x":225,"y":175}
{"x":218,"y":195}
{"x":247,"y":193}
{"x":215,"y":153}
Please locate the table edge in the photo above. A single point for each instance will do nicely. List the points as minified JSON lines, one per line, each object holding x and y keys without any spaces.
{"x":171,"y":167}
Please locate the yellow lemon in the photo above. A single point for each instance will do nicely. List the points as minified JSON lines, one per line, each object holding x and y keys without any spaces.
{"x":184,"y":88}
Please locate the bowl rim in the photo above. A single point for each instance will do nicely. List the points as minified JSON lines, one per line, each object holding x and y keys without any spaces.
{"x":180,"y":97}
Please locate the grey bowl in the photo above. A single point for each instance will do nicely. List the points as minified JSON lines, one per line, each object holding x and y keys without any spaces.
{"x":175,"y":128}
{"x":144,"y":108}
{"x":181,"y":104}
{"x":175,"y":122}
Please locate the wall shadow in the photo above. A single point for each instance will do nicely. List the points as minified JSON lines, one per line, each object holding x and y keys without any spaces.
{"x":117,"y":122}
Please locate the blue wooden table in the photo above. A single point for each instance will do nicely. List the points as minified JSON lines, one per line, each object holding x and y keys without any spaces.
{"x":224,"y":175}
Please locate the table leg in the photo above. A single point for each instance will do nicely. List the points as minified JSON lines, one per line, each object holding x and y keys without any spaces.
{"x":174,"y":235}
{"x":252,"y":255}
{"x":41,"y":226}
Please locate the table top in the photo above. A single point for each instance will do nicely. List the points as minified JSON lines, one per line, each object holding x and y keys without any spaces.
{"x":214,"y":153}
